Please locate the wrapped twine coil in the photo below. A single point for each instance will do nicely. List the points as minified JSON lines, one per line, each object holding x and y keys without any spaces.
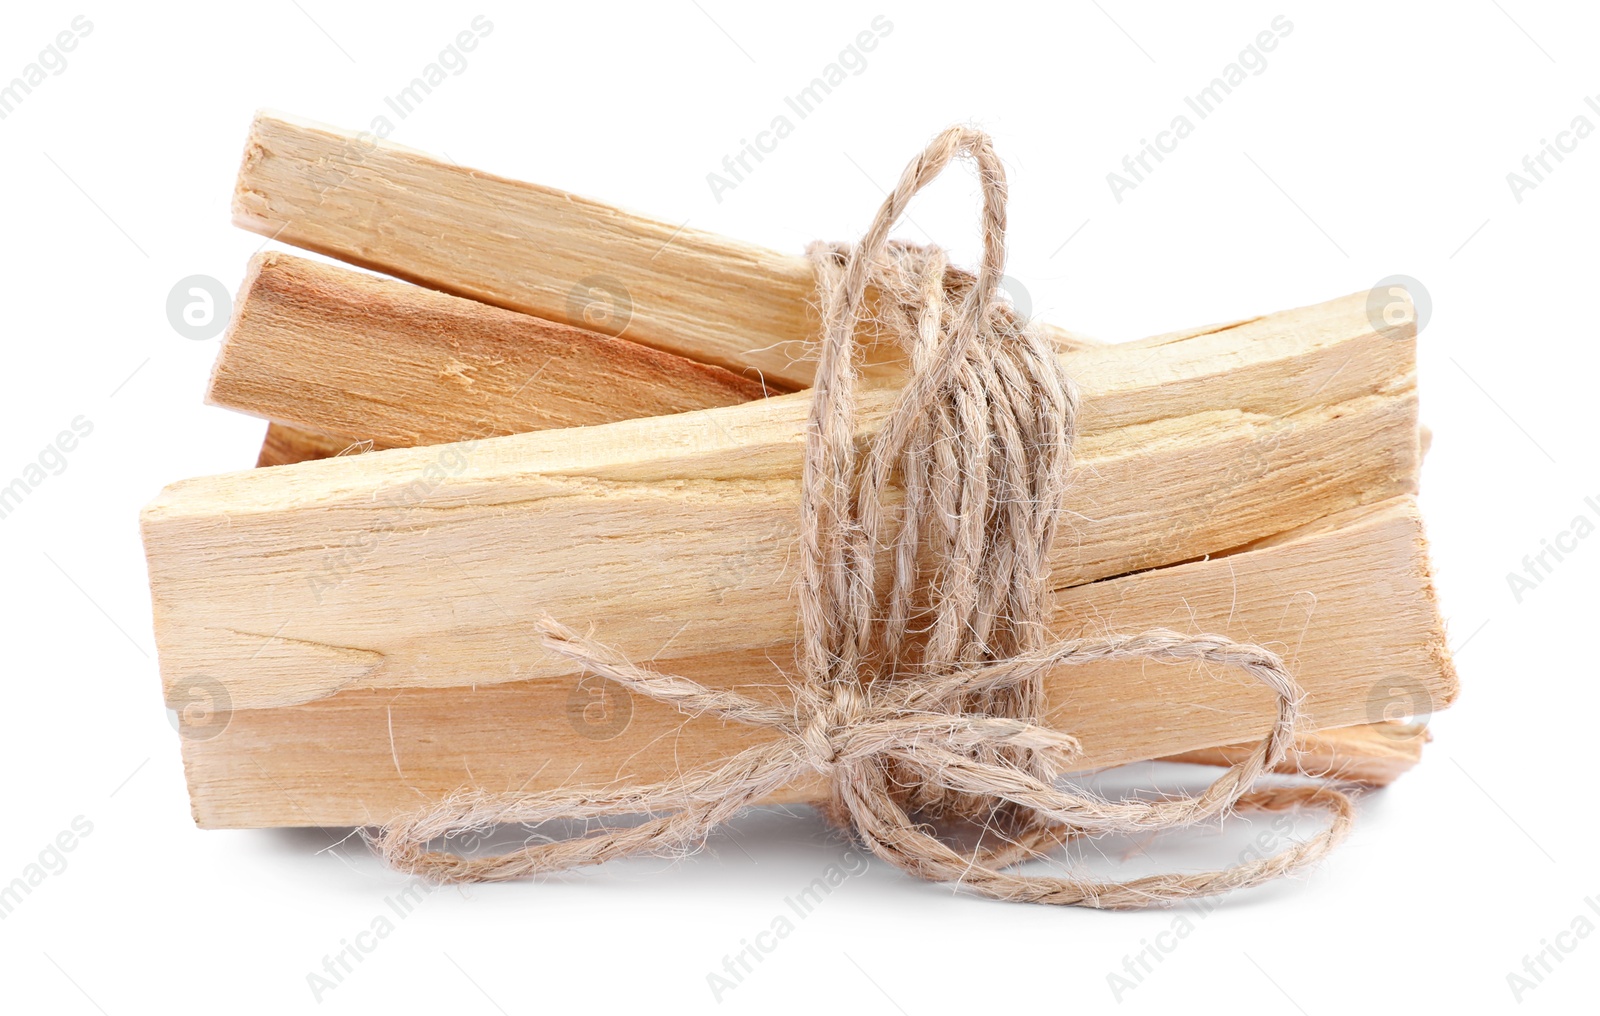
{"x":922,"y":705}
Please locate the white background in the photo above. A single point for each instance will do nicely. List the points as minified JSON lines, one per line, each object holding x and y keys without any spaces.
{"x":1377,"y":141}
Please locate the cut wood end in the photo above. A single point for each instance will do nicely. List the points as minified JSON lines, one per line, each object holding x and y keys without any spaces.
{"x":1444,"y":682}
{"x":1439,"y":646}
{"x":1357,"y":582}
{"x":242,"y":307}
{"x":251,"y":208}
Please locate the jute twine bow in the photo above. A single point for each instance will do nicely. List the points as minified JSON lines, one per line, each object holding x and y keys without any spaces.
{"x":926,"y":701}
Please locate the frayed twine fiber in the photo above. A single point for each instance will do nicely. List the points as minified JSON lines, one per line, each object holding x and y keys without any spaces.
{"x":927,"y":701}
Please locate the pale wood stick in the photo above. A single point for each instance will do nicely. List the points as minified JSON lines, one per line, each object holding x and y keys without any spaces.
{"x":677,"y":533}
{"x":1374,"y":754}
{"x":1348,"y":603}
{"x":533,"y":249}
{"x":353,"y":357}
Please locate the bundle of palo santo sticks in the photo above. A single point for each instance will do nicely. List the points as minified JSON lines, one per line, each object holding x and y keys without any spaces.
{"x":571,"y":410}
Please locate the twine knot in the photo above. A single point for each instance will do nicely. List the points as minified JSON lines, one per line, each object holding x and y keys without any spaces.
{"x":923,"y":600}
{"x":826,"y":733}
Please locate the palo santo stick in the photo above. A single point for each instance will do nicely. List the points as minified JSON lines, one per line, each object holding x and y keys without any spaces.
{"x":532,"y":249}
{"x":1348,"y":604}
{"x":284,"y":445}
{"x":356,"y":357}
{"x":422,"y":566}
{"x":1374,"y":754}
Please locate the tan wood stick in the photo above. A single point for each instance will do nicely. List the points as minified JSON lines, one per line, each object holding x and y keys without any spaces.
{"x":284,"y":445}
{"x":1347,"y":602}
{"x":343,"y":361}
{"x":357,"y":358}
{"x":532,"y":249}
{"x":1374,"y":754}
{"x":676,"y":532}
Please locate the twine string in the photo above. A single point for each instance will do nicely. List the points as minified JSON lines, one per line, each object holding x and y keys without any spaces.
{"x":923,"y":704}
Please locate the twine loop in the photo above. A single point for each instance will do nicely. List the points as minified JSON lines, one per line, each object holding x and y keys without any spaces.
{"x":923,"y":600}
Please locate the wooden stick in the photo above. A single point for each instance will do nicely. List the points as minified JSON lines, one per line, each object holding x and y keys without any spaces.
{"x":356,"y":358}
{"x":677,"y":532}
{"x":1374,"y":754}
{"x":1347,"y":602}
{"x":534,"y":249}
{"x":284,"y":445}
